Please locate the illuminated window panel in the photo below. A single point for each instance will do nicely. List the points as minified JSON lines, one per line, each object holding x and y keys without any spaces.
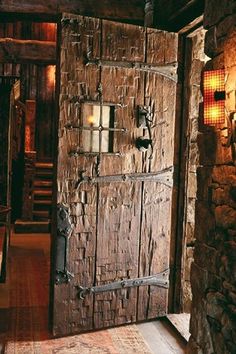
{"x":94,"y":139}
{"x":214,"y":109}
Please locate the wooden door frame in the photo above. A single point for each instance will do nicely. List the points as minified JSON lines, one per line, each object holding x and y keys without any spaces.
{"x":176,"y":296}
{"x":177,"y":244}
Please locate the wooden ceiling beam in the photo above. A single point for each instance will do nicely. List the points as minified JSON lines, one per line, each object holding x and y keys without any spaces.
{"x":173,"y":15}
{"x":25,"y":51}
{"x":122,"y":10}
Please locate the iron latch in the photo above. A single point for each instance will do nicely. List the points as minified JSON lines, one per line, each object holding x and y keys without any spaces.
{"x":160,"y":280}
{"x":64,"y":229}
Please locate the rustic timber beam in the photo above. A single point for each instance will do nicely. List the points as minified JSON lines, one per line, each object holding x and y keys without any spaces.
{"x":130,"y":11}
{"x":174,"y":15}
{"x":23,"y":51}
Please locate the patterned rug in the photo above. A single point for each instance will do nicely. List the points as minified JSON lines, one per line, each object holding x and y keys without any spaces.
{"x":28,"y":315}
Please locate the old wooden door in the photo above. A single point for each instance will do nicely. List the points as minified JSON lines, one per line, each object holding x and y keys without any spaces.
{"x":115,"y":203}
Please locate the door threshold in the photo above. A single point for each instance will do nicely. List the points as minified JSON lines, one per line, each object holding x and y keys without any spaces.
{"x":180,"y":321}
{"x":162,"y":337}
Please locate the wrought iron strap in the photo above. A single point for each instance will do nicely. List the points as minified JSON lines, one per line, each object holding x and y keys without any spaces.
{"x":69,"y":126}
{"x":160,"y":280}
{"x":164,"y":176}
{"x":167,"y":70}
{"x":64,"y":230}
{"x":64,"y":224}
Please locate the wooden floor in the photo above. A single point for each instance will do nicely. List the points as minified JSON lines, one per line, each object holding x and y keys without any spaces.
{"x":160,"y":336}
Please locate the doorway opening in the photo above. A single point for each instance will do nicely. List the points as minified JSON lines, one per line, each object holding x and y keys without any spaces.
{"x":37,"y":100}
{"x":33,"y":120}
{"x":194,"y":61}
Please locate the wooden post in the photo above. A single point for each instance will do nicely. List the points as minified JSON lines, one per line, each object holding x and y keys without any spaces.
{"x":149,"y":13}
{"x":30,"y":158}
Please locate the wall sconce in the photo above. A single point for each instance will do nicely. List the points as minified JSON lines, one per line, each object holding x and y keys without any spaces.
{"x":214,"y":97}
{"x":214,"y":105}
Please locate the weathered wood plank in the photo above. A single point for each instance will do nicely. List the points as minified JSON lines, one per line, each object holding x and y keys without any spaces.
{"x":21,"y":51}
{"x":122,"y":42}
{"x":80,"y":82}
{"x":156,"y":229}
{"x":155,"y":238}
{"x":110,"y":9}
{"x":124,"y":86}
{"x":117,"y":251}
{"x":159,"y":50}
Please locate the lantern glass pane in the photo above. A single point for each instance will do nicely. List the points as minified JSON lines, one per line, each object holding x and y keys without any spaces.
{"x":98,"y":120}
{"x":214,"y":111}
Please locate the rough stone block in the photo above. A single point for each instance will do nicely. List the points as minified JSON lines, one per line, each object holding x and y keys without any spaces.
{"x":207,"y":148}
{"x":190,"y":233}
{"x":199,"y":281}
{"x":217,"y":337}
{"x":204,"y":179}
{"x":211,"y":49}
{"x":226,"y":26}
{"x":187,"y":297}
{"x":195,"y":98}
{"x":222,"y":196}
{"x":216,"y":10}
{"x":203,"y":230}
{"x":206,"y":257}
{"x":195,"y":73}
{"x":225,"y":217}
{"x":193,"y":347}
{"x":198,"y":46}
{"x":230,"y":250}
{"x":215,"y":305}
{"x":193,"y":130}
{"x":230,"y":86}
{"x":190,"y":212}
{"x":231,"y":235}
{"x":228,"y":269}
{"x":227,"y":327}
{"x":211,"y":151}
{"x":224,"y":175}
{"x":200,"y":328}
{"x":229,"y":49}
{"x":218,"y":62}
{"x":231,"y":347}
{"x":188,"y":264}
{"x":214,"y":282}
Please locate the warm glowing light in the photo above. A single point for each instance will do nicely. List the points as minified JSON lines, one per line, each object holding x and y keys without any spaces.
{"x":51,"y":72}
{"x":27,"y":138}
{"x":91,"y":120}
{"x":214,"y":110}
{"x":48,"y":31}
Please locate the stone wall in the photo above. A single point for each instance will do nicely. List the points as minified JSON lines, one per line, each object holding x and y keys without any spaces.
{"x":213,"y":273}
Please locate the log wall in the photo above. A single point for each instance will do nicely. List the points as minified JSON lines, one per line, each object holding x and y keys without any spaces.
{"x":37,"y":81}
